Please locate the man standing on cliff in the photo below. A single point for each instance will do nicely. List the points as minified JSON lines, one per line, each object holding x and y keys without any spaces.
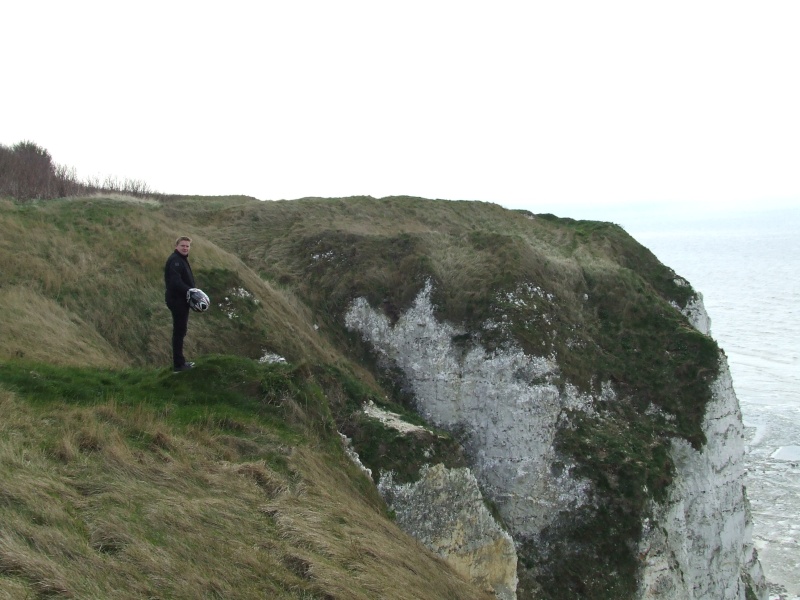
{"x":178,"y":280}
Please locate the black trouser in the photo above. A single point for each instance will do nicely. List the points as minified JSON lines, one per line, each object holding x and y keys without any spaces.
{"x":180,"y":324}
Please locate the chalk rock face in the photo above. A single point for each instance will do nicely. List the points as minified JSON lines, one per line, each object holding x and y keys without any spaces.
{"x":699,"y":542}
{"x":695,"y":311}
{"x":502,"y":403}
{"x":445,"y":511}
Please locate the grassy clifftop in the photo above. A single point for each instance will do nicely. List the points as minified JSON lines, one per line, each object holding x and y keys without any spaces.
{"x":85,"y":349}
{"x":582,"y":291}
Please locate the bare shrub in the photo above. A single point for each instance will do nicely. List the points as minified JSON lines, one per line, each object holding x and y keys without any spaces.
{"x":27,"y":172}
{"x":67,"y":182}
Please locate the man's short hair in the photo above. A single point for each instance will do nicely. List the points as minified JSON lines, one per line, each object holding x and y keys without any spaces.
{"x":183,"y":238}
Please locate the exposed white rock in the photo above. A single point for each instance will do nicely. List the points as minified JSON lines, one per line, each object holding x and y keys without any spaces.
{"x":271,"y":358}
{"x":228,"y":306}
{"x":390,"y":419}
{"x":699,"y":544}
{"x":347,"y":443}
{"x":695,"y":310}
{"x":500,"y":404}
{"x":445,"y":511}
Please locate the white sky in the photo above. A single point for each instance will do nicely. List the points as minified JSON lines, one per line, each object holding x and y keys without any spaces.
{"x":551,"y":106}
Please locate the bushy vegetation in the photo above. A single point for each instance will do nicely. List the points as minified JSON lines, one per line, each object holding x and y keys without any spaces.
{"x":27,"y":172}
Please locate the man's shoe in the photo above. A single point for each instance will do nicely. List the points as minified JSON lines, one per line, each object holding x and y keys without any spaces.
{"x":183,"y":367}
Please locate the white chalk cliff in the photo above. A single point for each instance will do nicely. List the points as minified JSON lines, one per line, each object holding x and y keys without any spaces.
{"x":506,"y":410}
{"x":699,"y":542}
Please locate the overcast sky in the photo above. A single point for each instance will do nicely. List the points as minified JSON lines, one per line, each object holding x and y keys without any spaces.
{"x":550,"y":106}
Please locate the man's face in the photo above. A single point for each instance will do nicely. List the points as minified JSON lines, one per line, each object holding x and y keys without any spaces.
{"x":183,"y":247}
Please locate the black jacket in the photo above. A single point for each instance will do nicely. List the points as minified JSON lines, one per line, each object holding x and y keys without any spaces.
{"x":178,"y":278}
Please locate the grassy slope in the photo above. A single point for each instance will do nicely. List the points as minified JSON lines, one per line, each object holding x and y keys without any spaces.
{"x":82,"y":287}
{"x":227,"y":482}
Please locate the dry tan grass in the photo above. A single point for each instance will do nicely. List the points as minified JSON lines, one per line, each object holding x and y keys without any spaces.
{"x":37,"y":328}
{"x":123,"y":198}
{"x":286,"y":319}
{"x":352,"y":550}
{"x":109,"y":502}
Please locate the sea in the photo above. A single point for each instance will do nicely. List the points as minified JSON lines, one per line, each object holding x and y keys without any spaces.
{"x":746,"y":264}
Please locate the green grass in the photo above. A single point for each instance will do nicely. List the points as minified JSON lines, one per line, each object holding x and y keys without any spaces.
{"x":232,"y":392}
